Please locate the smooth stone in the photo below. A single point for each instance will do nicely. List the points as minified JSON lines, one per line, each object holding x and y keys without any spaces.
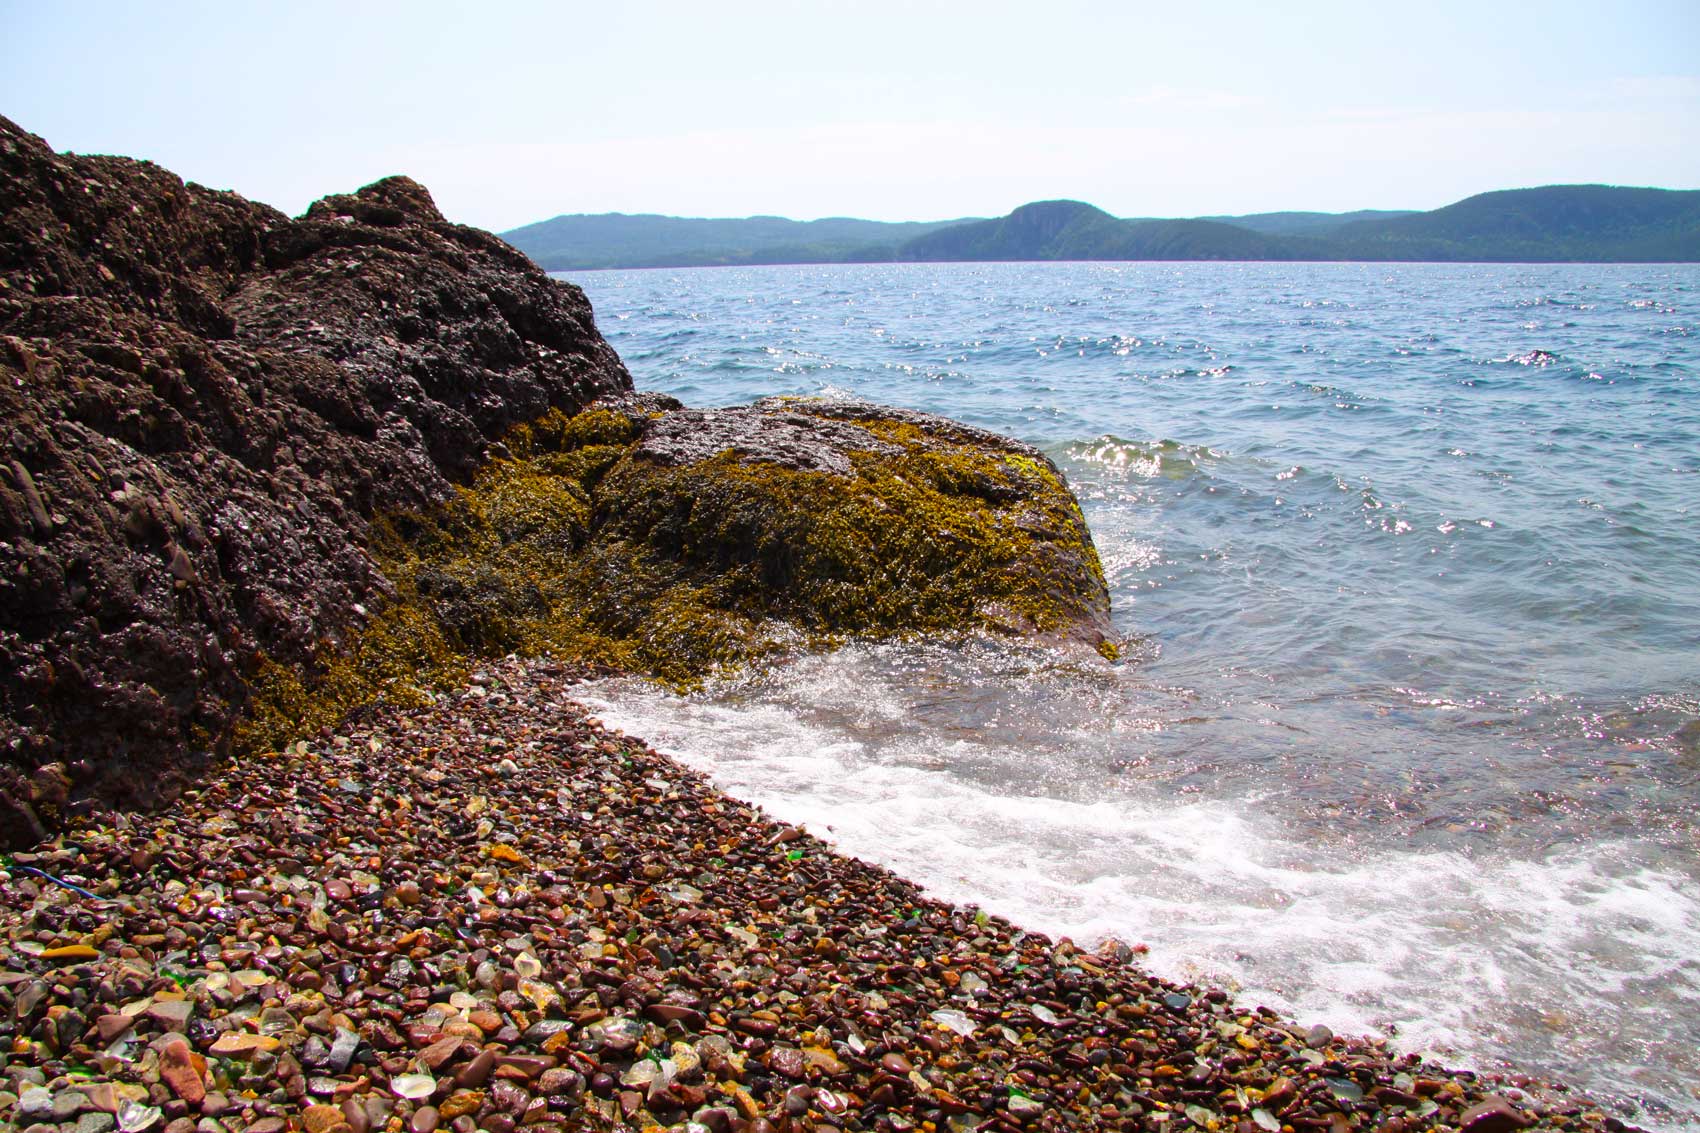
{"x":1495,"y":1115}
{"x":34,"y":1104}
{"x":171,"y":1014}
{"x":177,"y":1070}
{"x":529,"y":1065}
{"x":103,"y":1096}
{"x":477,"y":1072}
{"x":716,"y":1119}
{"x":110,"y":1027}
{"x":687,"y":1017}
{"x":786,"y":1060}
{"x":354,"y":1112}
{"x":561,"y":1080}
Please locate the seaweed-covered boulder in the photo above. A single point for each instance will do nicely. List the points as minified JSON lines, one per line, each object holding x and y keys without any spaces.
{"x":203,"y":403}
{"x":677,"y":541}
{"x":838,"y":517}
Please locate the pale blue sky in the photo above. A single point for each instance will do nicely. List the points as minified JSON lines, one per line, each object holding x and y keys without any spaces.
{"x":516,"y":112}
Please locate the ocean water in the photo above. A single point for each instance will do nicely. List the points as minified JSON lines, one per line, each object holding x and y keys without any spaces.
{"x":1408,"y":558}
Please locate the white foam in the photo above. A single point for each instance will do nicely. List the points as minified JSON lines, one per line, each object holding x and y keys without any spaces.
{"x":1575,"y":964}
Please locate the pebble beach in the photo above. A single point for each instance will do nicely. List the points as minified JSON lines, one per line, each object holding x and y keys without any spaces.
{"x":490,"y":912}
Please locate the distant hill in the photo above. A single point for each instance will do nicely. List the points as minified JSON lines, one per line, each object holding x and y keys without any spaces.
{"x":1072,"y":230}
{"x":1305,"y":223}
{"x":1557,"y":222}
{"x":614,"y":239}
{"x":1583,"y":223}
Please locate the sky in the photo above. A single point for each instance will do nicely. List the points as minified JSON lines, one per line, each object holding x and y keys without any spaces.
{"x":516,"y":112}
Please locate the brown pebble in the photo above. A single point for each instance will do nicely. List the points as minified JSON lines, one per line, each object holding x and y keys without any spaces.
{"x":477,"y":1072}
{"x":354,"y":1112}
{"x":1279,"y":1093}
{"x":664,"y":1013}
{"x":527,"y":1066}
{"x":1495,"y":1115}
{"x":786,"y":1060}
{"x":797,"y":1100}
{"x":441,"y":1051}
{"x":177,"y":1070}
{"x":424,"y":1120}
{"x":320,"y":1118}
{"x":109,"y":1027}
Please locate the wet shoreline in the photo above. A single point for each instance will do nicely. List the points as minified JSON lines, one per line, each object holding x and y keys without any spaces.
{"x":491,"y":913}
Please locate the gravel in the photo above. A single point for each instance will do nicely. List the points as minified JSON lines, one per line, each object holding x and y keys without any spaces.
{"x":490,"y":913}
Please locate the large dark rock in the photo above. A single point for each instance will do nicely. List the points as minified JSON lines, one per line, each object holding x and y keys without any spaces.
{"x":202,"y":404}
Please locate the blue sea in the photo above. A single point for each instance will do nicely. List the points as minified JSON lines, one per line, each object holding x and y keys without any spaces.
{"x":1408,"y":559}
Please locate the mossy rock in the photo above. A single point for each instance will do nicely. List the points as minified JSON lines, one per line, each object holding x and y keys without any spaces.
{"x":845,"y":518}
{"x":679,"y":543}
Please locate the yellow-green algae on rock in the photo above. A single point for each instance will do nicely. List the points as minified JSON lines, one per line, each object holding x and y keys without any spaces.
{"x":679,"y":543}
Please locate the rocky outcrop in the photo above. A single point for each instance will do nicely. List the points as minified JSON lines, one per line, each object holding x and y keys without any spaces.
{"x":203,"y":403}
{"x":258,"y":472}
{"x":676,"y":542}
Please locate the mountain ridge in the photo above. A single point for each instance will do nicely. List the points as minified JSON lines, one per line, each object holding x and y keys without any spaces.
{"x":1551,"y":223}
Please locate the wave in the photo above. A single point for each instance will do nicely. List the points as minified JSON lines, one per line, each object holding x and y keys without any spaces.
{"x":1113,"y":455}
{"x":1568,"y":961}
